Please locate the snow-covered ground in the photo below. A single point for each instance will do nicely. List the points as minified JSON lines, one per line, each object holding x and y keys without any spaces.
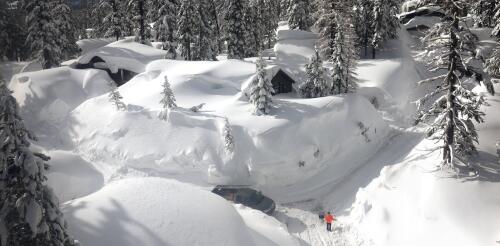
{"x":130,"y":178}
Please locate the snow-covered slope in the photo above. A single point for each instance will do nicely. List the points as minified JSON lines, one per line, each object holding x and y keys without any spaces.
{"x":46,"y":97}
{"x":320,"y":132}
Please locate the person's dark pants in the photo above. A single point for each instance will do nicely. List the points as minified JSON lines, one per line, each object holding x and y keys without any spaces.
{"x":329,"y":226}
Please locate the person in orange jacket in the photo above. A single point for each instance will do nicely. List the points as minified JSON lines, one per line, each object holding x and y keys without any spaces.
{"x":329,"y":218}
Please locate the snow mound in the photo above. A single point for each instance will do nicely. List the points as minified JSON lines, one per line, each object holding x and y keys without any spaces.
{"x":48,"y":96}
{"x":72,"y":177}
{"x":155,"y":212}
{"x":124,"y":54}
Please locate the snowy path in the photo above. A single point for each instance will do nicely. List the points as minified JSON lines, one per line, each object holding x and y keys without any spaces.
{"x":398,"y":81}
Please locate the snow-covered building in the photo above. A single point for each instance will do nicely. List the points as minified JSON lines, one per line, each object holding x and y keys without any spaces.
{"x":122,"y":59}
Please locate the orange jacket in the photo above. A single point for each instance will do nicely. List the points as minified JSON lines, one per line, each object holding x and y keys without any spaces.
{"x":329,"y":218}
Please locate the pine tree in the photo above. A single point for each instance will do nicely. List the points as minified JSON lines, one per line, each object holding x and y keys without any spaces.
{"x":139,"y":10}
{"x":261,"y":90}
{"x":164,"y":15}
{"x":269,"y":17}
{"x":115,"y":97}
{"x":483,"y":12}
{"x":114,"y":23}
{"x":187,"y":21}
{"x":299,"y":14}
{"x":315,"y":84}
{"x":168,"y":99}
{"x":64,"y":23}
{"x":228,"y":138}
{"x":340,"y":71}
{"x":205,"y":44}
{"x":235,"y":29}
{"x":327,"y":26}
{"x":252,"y":31}
{"x":380,"y":33}
{"x":493,"y":64}
{"x":496,"y":24}
{"x":29,"y":214}
{"x":363,"y":19}
{"x":457,"y":107}
{"x":43,"y":34}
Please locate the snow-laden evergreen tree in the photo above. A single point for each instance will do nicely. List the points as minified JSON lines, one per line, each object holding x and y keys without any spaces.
{"x":315,"y":84}
{"x":142,"y":29}
{"x":483,"y":12}
{"x":253,"y":29}
{"x":168,"y":99}
{"x":115,"y":97}
{"x":380,"y":33}
{"x":66,"y":26}
{"x":206,"y":42}
{"x":342,"y":58}
{"x":363,"y":19}
{"x":235,"y":29}
{"x":299,"y":14}
{"x":228,"y":138}
{"x":493,"y":63}
{"x":215,"y":13}
{"x":327,"y":27}
{"x":187,"y":21}
{"x":269,"y":17}
{"x":114,"y":23}
{"x":496,"y":18}
{"x":261,"y":90}
{"x":43,"y":34}
{"x":29,"y":214}
{"x":163,"y":13}
{"x":284,"y":6}
{"x":457,"y":107}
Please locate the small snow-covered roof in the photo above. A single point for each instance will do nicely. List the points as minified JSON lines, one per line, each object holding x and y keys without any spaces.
{"x":124,"y":54}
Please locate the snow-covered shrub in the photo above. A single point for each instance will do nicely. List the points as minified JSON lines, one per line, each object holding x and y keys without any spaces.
{"x":228,"y":138}
{"x":115,"y":97}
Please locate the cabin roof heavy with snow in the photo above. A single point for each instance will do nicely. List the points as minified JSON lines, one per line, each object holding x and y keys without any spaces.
{"x":282,"y":82}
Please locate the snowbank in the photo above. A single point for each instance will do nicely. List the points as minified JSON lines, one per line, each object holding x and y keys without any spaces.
{"x":412,"y":201}
{"x":72,"y":177}
{"x":155,"y":212}
{"x":47,"y":97}
{"x":124,"y":54}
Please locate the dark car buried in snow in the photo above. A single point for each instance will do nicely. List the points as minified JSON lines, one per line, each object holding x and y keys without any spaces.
{"x":246,"y":196}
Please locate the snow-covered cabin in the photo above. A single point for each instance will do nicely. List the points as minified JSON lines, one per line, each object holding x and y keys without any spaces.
{"x":122,"y":59}
{"x":282,"y":81}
